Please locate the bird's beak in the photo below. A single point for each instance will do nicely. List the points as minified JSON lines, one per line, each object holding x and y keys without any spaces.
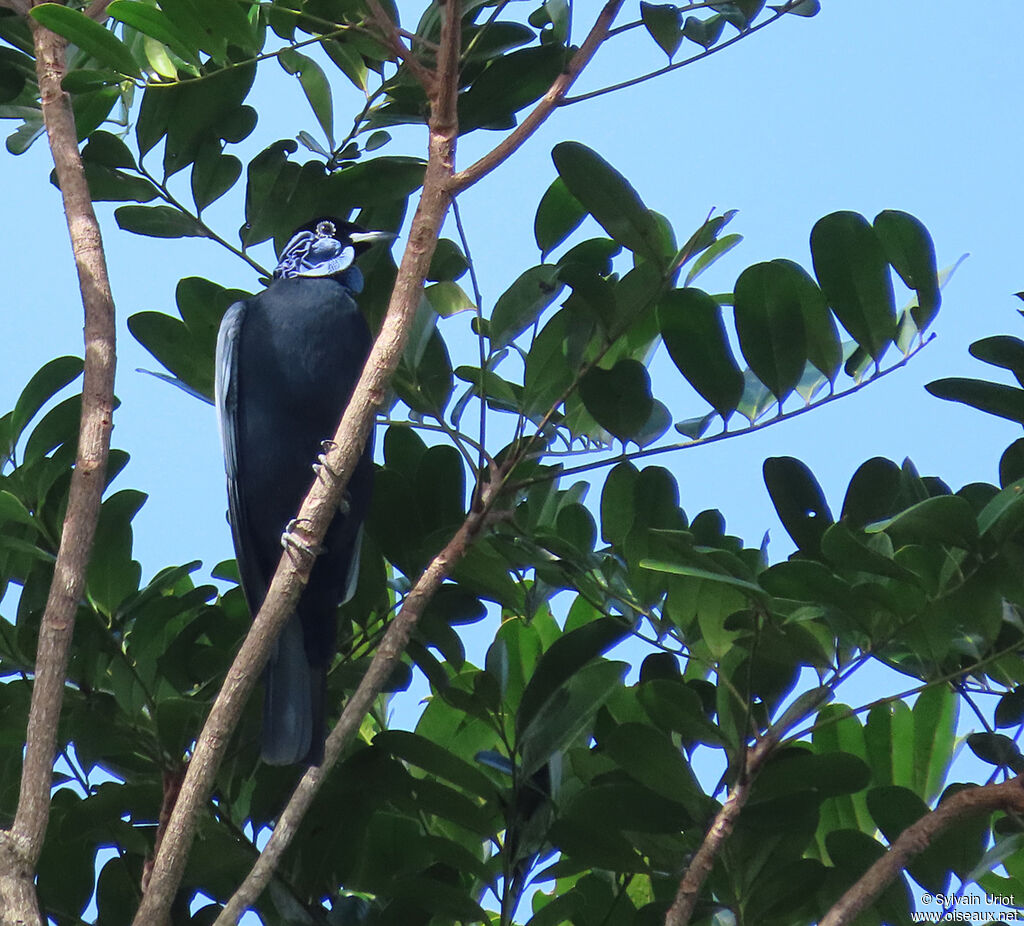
{"x":371,"y":237}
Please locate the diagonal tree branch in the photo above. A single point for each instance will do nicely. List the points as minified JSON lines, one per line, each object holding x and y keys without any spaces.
{"x":721,"y":828}
{"x":388,"y":655}
{"x":393,"y":38}
{"x":1008,"y":795}
{"x":323,"y":499}
{"x":23,"y":843}
{"x":548,"y":103}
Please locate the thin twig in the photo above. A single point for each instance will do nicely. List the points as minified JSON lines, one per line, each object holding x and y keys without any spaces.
{"x":478,"y":300}
{"x":1008,"y":795}
{"x":724,"y":435}
{"x":86,"y":490}
{"x":713,"y":50}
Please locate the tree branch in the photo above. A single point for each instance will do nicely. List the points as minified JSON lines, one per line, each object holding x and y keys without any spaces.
{"x":393,"y":38}
{"x":384,"y":661}
{"x":1008,"y":795}
{"x":322,"y":502}
{"x":548,"y":103}
{"x":721,"y":829}
{"x":25,"y":840}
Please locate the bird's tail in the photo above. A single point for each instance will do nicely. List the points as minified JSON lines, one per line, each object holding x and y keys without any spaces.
{"x":294,"y":703}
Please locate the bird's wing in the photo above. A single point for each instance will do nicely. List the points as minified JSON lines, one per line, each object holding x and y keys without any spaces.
{"x":226,"y":396}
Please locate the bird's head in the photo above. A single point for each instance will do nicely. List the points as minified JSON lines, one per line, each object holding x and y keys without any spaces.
{"x":327,"y":247}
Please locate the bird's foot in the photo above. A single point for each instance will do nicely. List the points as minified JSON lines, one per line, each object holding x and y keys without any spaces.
{"x":321,"y":461}
{"x":293,"y":541}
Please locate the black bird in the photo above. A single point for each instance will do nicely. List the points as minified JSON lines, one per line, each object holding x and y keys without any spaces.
{"x":287,"y":362}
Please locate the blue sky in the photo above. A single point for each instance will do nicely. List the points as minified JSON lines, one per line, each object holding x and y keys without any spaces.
{"x":867,"y":106}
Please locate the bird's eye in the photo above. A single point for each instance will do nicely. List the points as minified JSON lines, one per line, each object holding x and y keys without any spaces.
{"x":325,"y":229}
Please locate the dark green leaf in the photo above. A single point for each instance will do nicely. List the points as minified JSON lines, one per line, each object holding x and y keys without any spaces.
{"x":620,"y":398}
{"x":799,"y":501}
{"x":448,"y":262}
{"x":769,"y":321}
{"x":872,"y":492}
{"x":704,"y":32}
{"x":909,"y":248}
{"x":87,"y":34}
{"x":158,"y":222}
{"x":994,"y":398}
{"x":559,"y":213}
{"x":665,"y":24}
{"x":853,"y":271}
{"x":946,"y":519}
{"x":1002,"y":351}
{"x":213,"y":174}
{"x":522,"y":303}
{"x":609,"y":198}
{"x":821,"y":336}
{"x":1010,"y":708}
{"x":435,"y":759}
{"x":691,"y":324}
{"x":154,"y":23}
{"x":44,"y":384}
{"x":563,"y":659}
{"x":996,"y":749}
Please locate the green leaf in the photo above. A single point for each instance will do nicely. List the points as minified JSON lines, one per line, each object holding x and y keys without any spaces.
{"x":609,"y":198}
{"x":996,"y":749}
{"x":909,"y":248}
{"x":153,"y":22}
{"x":448,"y":262}
{"x":448,"y":299}
{"x":212,"y":25}
{"x":88,"y":35}
{"x":559,"y":213}
{"x":935,"y":716}
{"x":799,"y":501}
{"x":993,"y":398}
{"x":522,"y":303}
{"x":620,"y":398}
{"x":711,"y":254}
{"x":315,"y":85}
{"x":665,"y":24}
{"x":769,"y":322}
{"x":1010,"y":708}
{"x":872,"y":492}
{"x":158,"y":222}
{"x":1001,"y":351}
{"x":691,"y":324}
{"x":821,"y":336}
{"x":213,"y":174}
{"x":435,"y":759}
{"x":704,"y":32}
{"x":945,"y":519}
{"x":43,"y":386}
{"x":684,"y":569}
{"x":853,"y":271}
{"x":569,"y":714}
{"x":563,"y":659}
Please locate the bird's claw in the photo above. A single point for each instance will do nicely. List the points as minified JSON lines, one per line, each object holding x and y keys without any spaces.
{"x":321,"y":461}
{"x":294,"y":542}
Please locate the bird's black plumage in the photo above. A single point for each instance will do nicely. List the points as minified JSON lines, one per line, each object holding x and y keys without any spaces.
{"x":287,"y":361}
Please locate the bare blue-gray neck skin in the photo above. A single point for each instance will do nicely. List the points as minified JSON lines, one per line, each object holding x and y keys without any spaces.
{"x":324,"y":252}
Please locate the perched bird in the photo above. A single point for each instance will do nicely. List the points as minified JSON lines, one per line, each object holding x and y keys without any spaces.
{"x":287,"y":362}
